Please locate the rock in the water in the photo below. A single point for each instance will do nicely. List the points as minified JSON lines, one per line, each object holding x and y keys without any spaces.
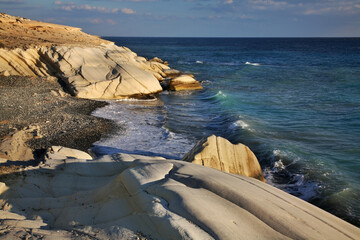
{"x":171,"y":73}
{"x":219,"y":153}
{"x":184,"y":82}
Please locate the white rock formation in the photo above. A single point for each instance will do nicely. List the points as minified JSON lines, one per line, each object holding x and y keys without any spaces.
{"x":129,"y":196}
{"x":104,"y":72}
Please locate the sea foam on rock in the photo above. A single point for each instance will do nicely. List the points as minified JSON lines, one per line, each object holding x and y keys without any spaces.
{"x":219,"y":153}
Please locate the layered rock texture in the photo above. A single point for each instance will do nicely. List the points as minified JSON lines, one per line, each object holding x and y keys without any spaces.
{"x":219,"y":153}
{"x":122,"y":196}
{"x":89,"y":66}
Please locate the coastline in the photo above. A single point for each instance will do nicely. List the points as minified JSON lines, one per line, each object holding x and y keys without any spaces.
{"x":70,"y":192}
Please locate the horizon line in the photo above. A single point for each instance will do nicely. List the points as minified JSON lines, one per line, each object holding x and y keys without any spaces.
{"x":216,"y":37}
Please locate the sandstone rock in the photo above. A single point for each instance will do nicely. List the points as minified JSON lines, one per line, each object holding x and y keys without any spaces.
{"x":15,"y":148}
{"x":156,"y":59}
{"x":183,"y":82}
{"x":171,"y":73}
{"x":89,"y":66}
{"x":17,"y":32}
{"x":219,"y":153}
{"x":124,"y":196}
{"x":59,"y":152}
{"x":103,"y":72}
{"x":5,"y":73}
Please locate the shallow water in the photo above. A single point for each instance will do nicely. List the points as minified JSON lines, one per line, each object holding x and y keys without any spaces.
{"x":294,"y":102}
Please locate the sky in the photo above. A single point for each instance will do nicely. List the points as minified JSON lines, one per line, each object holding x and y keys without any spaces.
{"x":197,"y":18}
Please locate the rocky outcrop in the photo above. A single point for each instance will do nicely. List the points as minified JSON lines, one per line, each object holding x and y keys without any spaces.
{"x":19,"y":32}
{"x":104,"y":72}
{"x":219,"y":153}
{"x":126,"y":196}
{"x":183,"y":82}
{"x":89,"y":66}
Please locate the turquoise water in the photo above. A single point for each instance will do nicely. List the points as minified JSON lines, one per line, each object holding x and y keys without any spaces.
{"x":294,"y":102}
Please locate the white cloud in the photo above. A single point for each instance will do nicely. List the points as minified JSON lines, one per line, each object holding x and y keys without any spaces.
{"x":12,"y":1}
{"x":332,"y":7}
{"x":101,"y":21}
{"x":127,"y":11}
{"x":69,"y":6}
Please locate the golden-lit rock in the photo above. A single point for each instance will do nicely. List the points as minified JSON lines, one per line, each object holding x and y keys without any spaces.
{"x":219,"y":153}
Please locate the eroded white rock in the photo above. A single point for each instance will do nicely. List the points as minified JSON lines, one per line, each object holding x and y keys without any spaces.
{"x":125,"y":196}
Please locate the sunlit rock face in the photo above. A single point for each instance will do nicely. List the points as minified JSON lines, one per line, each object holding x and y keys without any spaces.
{"x":103,"y":72}
{"x":219,"y":153}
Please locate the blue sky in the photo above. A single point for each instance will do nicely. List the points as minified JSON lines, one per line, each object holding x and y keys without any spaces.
{"x":197,"y":18}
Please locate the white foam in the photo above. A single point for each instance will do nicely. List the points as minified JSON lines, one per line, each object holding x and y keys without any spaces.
{"x":253,"y":64}
{"x":279,"y":165}
{"x":142,"y":131}
{"x":221,"y":94}
{"x":199,"y":62}
{"x":136,"y":100}
{"x":242,"y":124}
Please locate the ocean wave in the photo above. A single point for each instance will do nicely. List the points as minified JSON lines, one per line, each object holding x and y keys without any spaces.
{"x":253,"y":64}
{"x":242,"y":124}
{"x":221,"y":94}
{"x":199,"y":62}
{"x":296,"y":183}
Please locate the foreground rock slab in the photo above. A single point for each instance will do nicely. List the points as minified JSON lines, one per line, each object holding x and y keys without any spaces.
{"x":126,"y":196}
{"x":219,"y":153}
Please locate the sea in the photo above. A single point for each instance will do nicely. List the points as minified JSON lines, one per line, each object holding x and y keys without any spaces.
{"x":294,"y":101}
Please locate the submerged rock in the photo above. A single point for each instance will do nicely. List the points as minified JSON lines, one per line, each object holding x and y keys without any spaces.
{"x":219,"y":153}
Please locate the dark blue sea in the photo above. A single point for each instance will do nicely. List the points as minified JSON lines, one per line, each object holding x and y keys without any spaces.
{"x":294,"y":101}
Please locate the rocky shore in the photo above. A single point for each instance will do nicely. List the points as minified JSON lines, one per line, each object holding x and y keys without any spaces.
{"x":41,"y":104}
{"x":50,"y":189}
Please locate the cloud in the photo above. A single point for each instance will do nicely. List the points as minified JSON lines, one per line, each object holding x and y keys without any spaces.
{"x":12,"y":1}
{"x":101,"y":21}
{"x":344,"y":7}
{"x":127,"y":11}
{"x":267,"y":4}
{"x":70,"y":6}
